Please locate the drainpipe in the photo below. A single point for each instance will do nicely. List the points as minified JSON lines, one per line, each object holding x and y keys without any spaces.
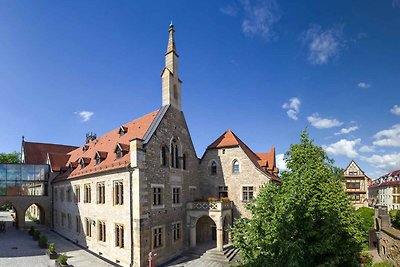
{"x":130,"y":170}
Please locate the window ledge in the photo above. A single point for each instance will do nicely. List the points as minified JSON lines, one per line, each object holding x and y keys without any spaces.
{"x":154,"y":207}
{"x":177,"y":205}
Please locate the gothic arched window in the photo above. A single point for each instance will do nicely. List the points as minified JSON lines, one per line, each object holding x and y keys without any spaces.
{"x":174,"y":154}
{"x":236,"y":166}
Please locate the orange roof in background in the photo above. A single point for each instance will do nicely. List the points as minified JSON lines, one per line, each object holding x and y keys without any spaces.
{"x":36,"y":153}
{"x":260,"y":160}
{"x":107,"y":143}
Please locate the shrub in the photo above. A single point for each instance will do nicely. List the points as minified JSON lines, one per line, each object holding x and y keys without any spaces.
{"x":52,"y":248}
{"x":395,"y":218}
{"x":36,"y":234}
{"x":43,"y":241}
{"x":383,"y":264}
{"x":62,"y":259}
{"x":31,"y":230}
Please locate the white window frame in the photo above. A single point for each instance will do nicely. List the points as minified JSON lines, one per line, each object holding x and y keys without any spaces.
{"x":162,"y":186}
{"x":179,"y":204}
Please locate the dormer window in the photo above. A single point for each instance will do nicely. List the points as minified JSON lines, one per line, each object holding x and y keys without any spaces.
{"x":122,"y":130}
{"x":83,"y":162}
{"x":100,"y":156}
{"x":73,"y":164}
{"x":85,"y":148}
{"x":121,"y":150}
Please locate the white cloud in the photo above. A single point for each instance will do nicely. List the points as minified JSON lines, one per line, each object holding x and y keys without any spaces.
{"x":347,"y":130}
{"x":364,"y":85}
{"x":259,"y":18}
{"x":322,"y":123}
{"x":367,"y":149}
{"x":343,"y":147}
{"x":293,"y":107}
{"x":280,"y":162}
{"x":323,"y":44}
{"x":395,"y":110}
{"x":388,"y":162}
{"x":230,"y":10}
{"x":389,"y":137}
{"x":85,"y":115}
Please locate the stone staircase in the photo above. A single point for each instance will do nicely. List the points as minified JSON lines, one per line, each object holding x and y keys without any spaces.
{"x":225,"y":256}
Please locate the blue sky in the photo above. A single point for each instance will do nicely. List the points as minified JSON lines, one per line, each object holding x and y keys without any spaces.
{"x":264,"y":69}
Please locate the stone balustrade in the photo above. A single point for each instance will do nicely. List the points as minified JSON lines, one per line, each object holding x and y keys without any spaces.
{"x":212,"y":205}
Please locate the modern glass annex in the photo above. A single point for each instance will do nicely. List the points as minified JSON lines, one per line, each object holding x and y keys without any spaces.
{"x":24,"y":180}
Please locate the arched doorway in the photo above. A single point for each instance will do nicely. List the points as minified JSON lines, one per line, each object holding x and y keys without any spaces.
{"x":206,"y":231}
{"x":34,"y":214}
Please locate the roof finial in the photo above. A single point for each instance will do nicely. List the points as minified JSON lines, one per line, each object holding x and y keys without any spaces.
{"x":171,"y":25}
{"x":171,"y":42}
{"x":23,"y":139}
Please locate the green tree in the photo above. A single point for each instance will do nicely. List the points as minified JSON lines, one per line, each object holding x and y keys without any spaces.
{"x":306,"y":221}
{"x":13,"y":157}
{"x":366,"y":217}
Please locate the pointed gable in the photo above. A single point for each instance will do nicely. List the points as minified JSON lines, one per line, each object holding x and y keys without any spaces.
{"x":229,"y":139}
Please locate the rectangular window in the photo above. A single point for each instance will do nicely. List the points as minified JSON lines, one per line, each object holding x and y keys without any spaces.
{"x":176,"y":195}
{"x":56,"y":216}
{"x":118,"y":193}
{"x":61,"y":194}
{"x":101,"y":193}
{"x":102,"y":231}
{"x":176,"y":231}
{"x":157,"y":196}
{"x":69,"y":221}
{"x":69,"y":197}
{"x":78,"y":223}
{"x":62,"y":219}
{"x":353,"y":185}
{"x":247,"y":193}
{"x":157,"y":237}
{"x":222,"y":191}
{"x":77,"y":194}
{"x":119,"y":235}
{"x":88,"y":227}
{"x":87,"y":198}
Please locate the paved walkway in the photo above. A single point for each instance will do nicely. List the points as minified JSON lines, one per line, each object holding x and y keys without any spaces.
{"x":18,"y":249}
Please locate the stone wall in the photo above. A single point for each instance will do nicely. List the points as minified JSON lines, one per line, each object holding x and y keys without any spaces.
{"x":111,"y":214}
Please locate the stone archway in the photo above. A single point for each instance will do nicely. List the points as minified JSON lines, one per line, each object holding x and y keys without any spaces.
{"x":35,"y":214}
{"x":10,"y":210}
{"x":206,"y":230}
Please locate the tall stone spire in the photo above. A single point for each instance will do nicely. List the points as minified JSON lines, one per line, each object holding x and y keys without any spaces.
{"x":171,"y":41}
{"x":171,"y":84}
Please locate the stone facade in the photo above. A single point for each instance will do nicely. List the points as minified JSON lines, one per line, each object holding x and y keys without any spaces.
{"x":249,"y":177}
{"x":388,"y":237}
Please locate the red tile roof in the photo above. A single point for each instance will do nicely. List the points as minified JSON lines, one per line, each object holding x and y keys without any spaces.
{"x":36,"y":153}
{"x":57,"y":161}
{"x":260,"y":160}
{"x":106,"y":145}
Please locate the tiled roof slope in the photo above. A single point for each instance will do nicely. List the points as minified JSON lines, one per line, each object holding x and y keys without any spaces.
{"x":106,"y":145}
{"x":260,"y":160}
{"x":57,"y":161}
{"x":36,"y":153}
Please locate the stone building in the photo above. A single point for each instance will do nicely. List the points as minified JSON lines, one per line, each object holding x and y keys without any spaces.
{"x":356,"y":185}
{"x":141,"y":188}
{"x":385,"y":191}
